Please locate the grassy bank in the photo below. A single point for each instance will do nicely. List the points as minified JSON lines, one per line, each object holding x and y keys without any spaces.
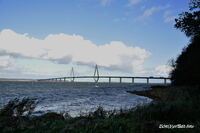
{"x":170,"y":93}
{"x":173,"y":105}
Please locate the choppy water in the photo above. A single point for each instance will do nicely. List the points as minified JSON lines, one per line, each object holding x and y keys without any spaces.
{"x":74,"y":98}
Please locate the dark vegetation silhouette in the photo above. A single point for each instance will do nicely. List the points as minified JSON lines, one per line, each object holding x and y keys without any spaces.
{"x":187,"y":65}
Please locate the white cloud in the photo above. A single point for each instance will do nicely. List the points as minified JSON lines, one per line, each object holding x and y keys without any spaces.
{"x":168,"y":17}
{"x":163,"y":70}
{"x":5,"y":62}
{"x":64,"y":49}
{"x":8,"y":67}
{"x":105,"y":2}
{"x":133,"y":2}
{"x":150,"y":11}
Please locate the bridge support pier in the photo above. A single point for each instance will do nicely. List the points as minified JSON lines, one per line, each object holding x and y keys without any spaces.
{"x":109,"y":79}
{"x":165,"y":81}
{"x":133,"y":80}
{"x":120,"y":80}
{"x":147,"y":80}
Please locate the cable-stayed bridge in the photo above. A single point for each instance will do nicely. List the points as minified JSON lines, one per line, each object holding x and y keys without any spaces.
{"x":96,"y":78}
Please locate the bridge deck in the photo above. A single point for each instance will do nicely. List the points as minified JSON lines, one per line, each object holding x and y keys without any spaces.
{"x":111,"y":77}
{"x":72,"y":78}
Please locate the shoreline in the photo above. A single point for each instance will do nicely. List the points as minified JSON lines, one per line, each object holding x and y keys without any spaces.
{"x":160,"y":92}
{"x":167,"y":93}
{"x":157,"y":93}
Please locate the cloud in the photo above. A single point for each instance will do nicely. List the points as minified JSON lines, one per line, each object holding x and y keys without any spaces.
{"x":105,"y":2}
{"x":150,"y":11}
{"x":133,"y":2}
{"x":8,"y":66}
{"x":11,"y":68}
{"x":63,"y":48}
{"x":5,"y":62}
{"x":168,"y":17}
{"x":163,"y":70}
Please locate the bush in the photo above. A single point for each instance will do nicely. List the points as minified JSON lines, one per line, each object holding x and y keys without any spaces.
{"x":17,"y":107}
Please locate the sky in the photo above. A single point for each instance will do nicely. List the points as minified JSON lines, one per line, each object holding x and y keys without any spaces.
{"x":46,"y":38}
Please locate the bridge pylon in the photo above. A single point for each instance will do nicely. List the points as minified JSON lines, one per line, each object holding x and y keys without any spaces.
{"x":96,"y":74}
{"x":72,"y":74}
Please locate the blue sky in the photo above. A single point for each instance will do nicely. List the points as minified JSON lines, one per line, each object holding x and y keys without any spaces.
{"x":143,"y":27}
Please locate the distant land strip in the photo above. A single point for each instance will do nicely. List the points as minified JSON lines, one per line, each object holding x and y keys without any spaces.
{"x":19,"y":80}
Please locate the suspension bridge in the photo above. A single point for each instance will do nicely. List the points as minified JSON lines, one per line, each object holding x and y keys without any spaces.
{"x":96,"y":78}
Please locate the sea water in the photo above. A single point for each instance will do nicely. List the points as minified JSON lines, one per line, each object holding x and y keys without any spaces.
{"x":74,"y":98}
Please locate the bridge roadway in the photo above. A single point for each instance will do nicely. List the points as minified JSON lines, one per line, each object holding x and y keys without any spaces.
{"x":72,"y":78}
